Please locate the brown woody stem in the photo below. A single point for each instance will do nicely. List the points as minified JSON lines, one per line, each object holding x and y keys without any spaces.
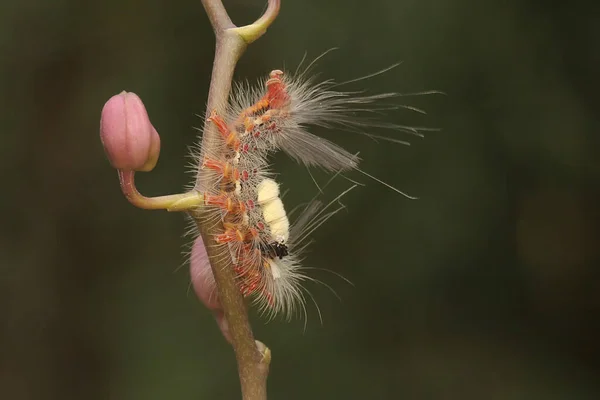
{"x":252,"y":357}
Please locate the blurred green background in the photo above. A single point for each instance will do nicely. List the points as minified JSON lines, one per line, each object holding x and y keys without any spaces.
{"x":485,"y":288}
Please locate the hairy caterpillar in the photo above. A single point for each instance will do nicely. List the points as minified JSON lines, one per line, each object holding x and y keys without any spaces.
{"x":257,"y":240}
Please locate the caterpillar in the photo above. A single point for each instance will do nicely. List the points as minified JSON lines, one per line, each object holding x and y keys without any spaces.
{"x":257,"y":240}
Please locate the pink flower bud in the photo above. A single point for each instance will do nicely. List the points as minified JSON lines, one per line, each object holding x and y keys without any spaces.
{"x":205,"y":287}
{"x":202,"y":276}
{"x":129,"y":139}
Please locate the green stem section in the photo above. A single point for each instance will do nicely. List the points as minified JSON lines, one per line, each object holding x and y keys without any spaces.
{"x":174,"y":202}
{"x":252,"y":32}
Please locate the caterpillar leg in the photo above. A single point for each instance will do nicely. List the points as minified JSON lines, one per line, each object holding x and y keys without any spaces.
{"x":223,"y":168}
{"x":219,"y":123}
{"x":229,"y":135}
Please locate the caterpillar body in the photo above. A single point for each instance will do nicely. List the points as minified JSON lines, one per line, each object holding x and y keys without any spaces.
{"x":257,"y":239}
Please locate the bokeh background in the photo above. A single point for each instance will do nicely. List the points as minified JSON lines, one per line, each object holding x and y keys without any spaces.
{"x":485,"y":288}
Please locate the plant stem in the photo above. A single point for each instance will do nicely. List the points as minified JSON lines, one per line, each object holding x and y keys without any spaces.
{"x":253,"y":361}
{"x":172,"y":202}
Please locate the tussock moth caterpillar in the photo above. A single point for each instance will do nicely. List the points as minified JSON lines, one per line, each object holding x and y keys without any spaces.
{"x":257,"y":240}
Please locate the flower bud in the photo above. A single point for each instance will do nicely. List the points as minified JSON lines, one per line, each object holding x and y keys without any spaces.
{"x":205,"y":286}
{"x":129,"y":139}
{"x":202,"y":276}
